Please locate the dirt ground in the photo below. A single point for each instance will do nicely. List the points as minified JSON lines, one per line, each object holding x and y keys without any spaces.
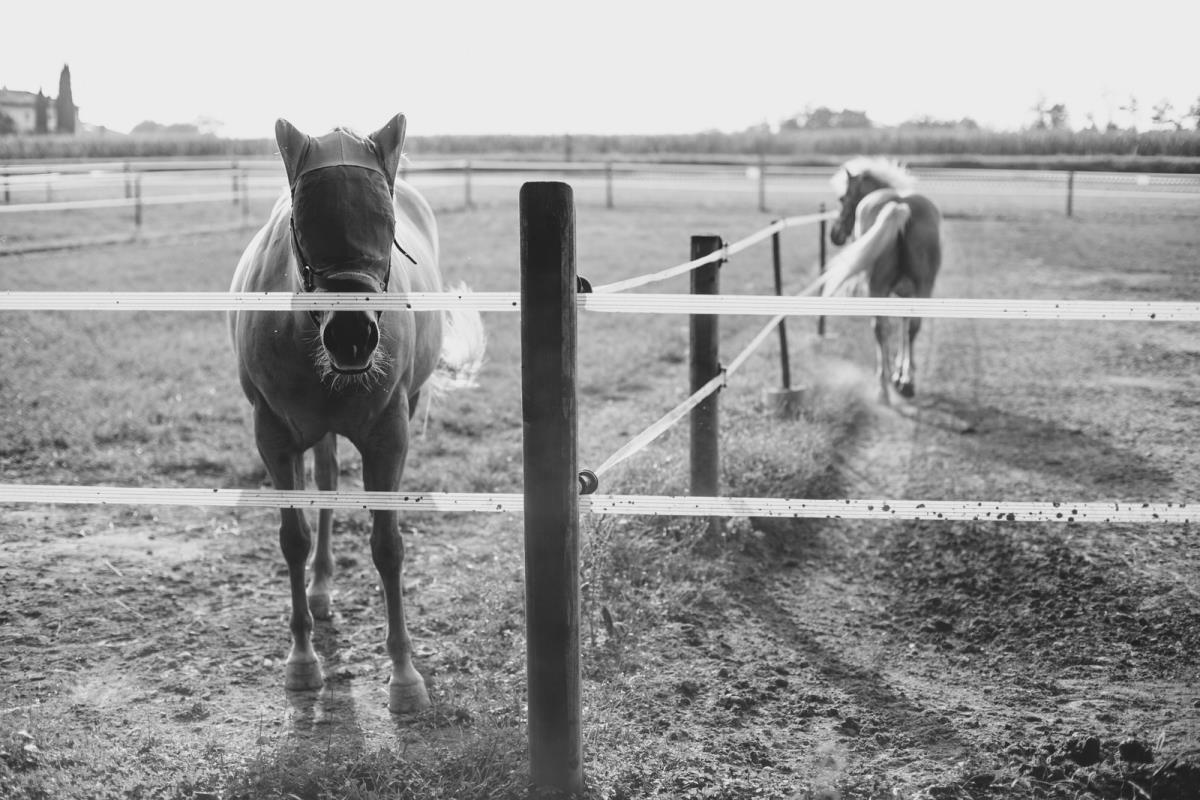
{"x":141,"y":648}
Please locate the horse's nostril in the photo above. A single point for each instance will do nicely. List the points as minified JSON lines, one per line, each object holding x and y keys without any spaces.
{"x":350,"y":337}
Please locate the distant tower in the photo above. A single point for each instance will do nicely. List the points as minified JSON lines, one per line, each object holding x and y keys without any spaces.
{"x":64,"y":104}
{"x":41,"y":113}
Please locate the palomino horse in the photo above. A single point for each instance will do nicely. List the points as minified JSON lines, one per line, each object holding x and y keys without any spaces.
{"x":897,"y":250}
{"x":346,"y":225}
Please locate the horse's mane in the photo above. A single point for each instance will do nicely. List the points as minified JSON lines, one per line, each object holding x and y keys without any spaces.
{"x":885,"y":170}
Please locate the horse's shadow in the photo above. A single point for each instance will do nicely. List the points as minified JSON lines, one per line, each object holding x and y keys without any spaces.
{"x":1038,"y":445}
{"x":331,"y":713}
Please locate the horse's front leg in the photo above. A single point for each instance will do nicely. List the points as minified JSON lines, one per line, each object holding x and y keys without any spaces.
{"x":383,"y":455}
{"x":880,"y":327}
{"x":903,"y":379}
{"x":325,"y":470}
{"x":285,"y":464}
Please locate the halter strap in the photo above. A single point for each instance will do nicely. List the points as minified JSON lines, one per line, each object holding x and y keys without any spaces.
{"x":308,"y":274}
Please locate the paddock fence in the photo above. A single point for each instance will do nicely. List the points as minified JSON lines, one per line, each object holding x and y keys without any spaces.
{"x":556,"y":490}
{"x":130,"y":188}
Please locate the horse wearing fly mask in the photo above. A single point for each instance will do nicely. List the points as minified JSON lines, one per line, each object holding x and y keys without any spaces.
{"x":345,"y":225}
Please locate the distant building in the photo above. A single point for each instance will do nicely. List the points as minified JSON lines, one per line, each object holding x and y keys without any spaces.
{"x":21,"y":108}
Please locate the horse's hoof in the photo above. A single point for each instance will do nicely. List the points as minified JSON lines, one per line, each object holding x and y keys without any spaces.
{"x":303,"y":676}
{"x":906,"y":390}
{"x":408,"y":698}
{"x":320,"y":606}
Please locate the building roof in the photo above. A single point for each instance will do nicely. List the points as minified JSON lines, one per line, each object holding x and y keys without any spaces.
{"x":14,"y":97}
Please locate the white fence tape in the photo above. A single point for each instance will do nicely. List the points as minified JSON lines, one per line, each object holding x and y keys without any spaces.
{"x":725,"y":252}
{"x":748,"y":305}
{"x":949,"y":510}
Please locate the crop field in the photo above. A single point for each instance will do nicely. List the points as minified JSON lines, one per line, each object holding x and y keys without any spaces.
{"x":142,"y":648}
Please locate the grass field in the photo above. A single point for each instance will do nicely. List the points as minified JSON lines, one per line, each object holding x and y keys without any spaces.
{"x":142,"y":647}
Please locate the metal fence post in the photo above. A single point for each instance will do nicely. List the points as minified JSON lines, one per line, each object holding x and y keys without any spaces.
{"x":548,"y":352}
{"x":821,"y":262}
{"x":705,"y":365}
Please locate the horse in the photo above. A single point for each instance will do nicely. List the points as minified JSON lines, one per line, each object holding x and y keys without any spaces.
{"x":345,"y":224}
{"x":897,"y":251}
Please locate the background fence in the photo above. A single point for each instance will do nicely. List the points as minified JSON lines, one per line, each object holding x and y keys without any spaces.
{"x":113,"y":200}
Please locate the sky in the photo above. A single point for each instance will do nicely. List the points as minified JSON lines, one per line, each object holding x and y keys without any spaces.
{"x":620,"y":66}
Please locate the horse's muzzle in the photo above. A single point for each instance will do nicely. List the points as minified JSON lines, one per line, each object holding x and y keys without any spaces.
{"x":350,"y":338}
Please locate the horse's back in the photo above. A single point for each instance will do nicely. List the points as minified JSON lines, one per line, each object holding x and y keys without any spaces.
{"x":919,"y":256}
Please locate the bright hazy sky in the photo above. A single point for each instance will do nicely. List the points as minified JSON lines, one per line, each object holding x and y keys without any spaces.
{"x":647,"y":66}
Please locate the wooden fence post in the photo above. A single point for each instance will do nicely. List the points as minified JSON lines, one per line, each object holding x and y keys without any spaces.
{"x":705,"y":365}
{"x":245,"y":197}
{"x":467,"y":184}
{"x":137,"y":203}
{"x":1070,"y":192}
{"x":821,"y":262}
{"x":234,"y":192}
{"x":608,"y":184}
{"x":548,"y":351}
{"x":6,"y":192}
{"x":762,"y":181}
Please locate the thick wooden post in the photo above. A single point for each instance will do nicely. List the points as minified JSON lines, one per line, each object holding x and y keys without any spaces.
{"x":705,"y":365}
{"x":234,"y":192}
{"x":608,"y":187}
{"x":548,"y":287}
{"x":6,"y":191}
{"x":821,"y":262}
{"x":1070,"y":192}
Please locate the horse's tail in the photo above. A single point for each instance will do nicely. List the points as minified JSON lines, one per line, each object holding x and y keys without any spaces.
{"x":463,"y":346}
{"x":858,"y":256}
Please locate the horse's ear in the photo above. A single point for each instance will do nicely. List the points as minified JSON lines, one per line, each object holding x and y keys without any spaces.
{"x":390,"y":143}
{"x":292,"y":146}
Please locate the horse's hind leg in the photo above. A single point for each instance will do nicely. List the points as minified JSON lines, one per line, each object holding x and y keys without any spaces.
{"x":383,"y":463}
{"x":880,"y":325}
{"x":325,"y":470}
{"x":903,"y":377}
{"x":285,"y":464}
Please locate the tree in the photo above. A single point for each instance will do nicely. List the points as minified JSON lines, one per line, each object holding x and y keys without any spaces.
{"x":1049,"y":117}
{"x":41,"y":113}
{"x":1164,"y":114}
{"x":64,"y":104}
{"x":825,"y":118}
{"x":7,"y":126}
{"x":1131,"y":108}
{"x":1194,"y":114}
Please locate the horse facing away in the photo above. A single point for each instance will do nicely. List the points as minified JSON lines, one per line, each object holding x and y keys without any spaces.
{"x":897,"y":250}
{"x":345,"y":225}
